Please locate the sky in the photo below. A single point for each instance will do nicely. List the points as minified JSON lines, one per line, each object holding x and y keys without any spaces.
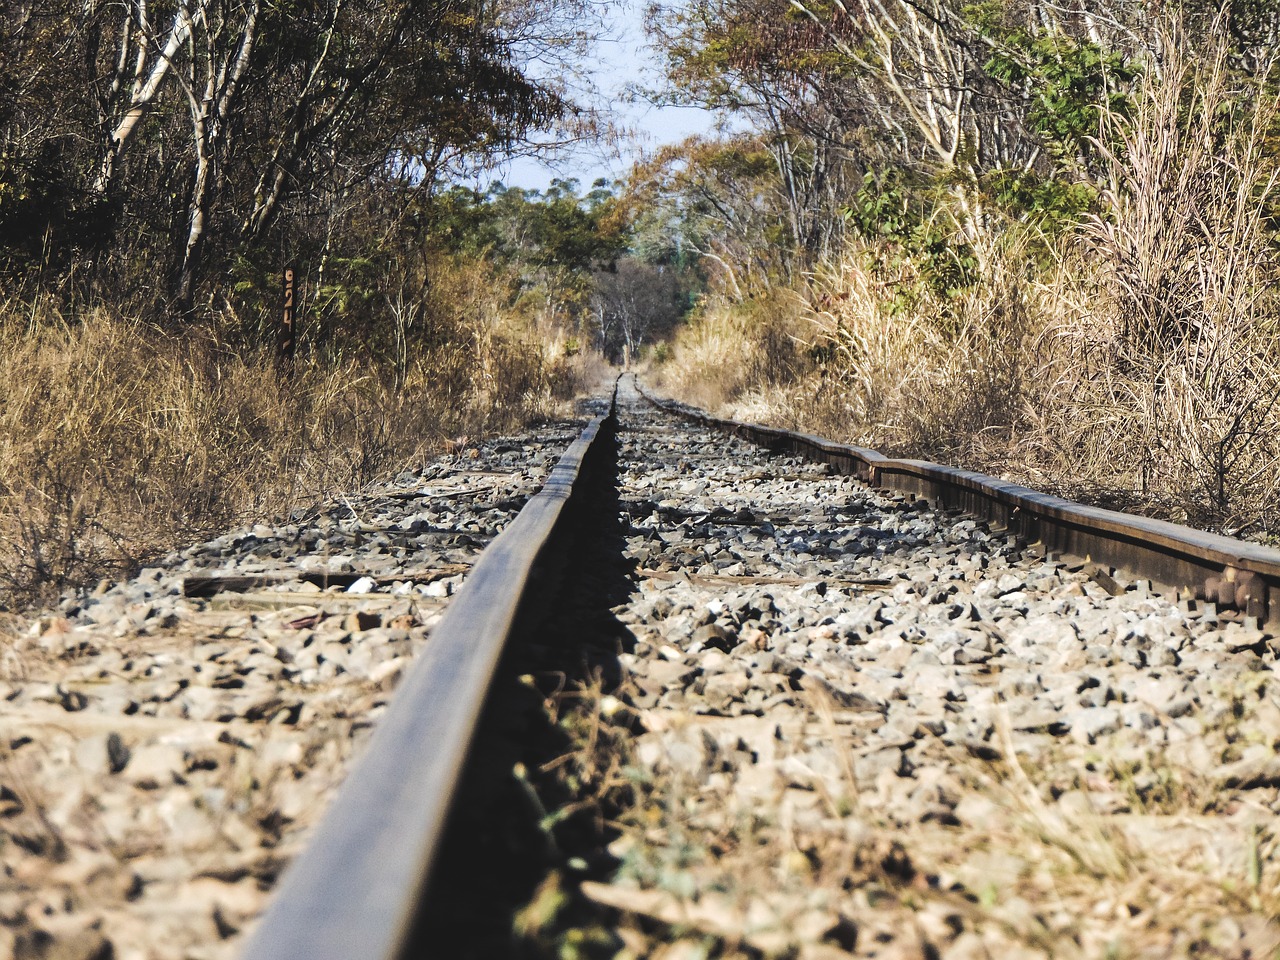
{"x":622,"y":61}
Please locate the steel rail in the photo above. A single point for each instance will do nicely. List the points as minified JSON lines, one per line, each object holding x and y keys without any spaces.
{"x":354,"y":892}
{"x":1230,"y":572}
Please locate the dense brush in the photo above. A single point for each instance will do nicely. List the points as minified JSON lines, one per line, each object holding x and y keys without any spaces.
{"x":117,"y":441}
{"x":1132,"y":360}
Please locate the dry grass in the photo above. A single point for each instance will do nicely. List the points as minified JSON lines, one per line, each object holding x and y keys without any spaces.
{"x":1143,"y":367}
{"x":1186,"y":272}
{"x":729,"y":350}
{"x":118,"y":441}
{"x":909,"y":383}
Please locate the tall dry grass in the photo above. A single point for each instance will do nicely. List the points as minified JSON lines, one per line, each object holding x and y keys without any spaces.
{"x":944,"y":379}
{"x":1186,"y":270}
{"x":118,"y":441}
{"x":729,"y":350}
{"x":1142,"y":367}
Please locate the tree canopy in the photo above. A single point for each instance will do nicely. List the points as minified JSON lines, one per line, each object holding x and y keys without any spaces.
{"x":150,"y":148}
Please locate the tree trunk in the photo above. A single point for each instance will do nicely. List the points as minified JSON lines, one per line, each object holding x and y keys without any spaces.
{"x":145,"y":90}
{"x":211,"y":117}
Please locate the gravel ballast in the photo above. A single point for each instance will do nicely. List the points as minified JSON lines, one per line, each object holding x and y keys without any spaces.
{"x":841,"y":724}
{"x":875,"y":729}
{"x":165,"y":756}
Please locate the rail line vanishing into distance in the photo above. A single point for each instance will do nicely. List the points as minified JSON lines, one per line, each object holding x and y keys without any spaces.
{"x":647,"y":683}
{"x":951,"y":618}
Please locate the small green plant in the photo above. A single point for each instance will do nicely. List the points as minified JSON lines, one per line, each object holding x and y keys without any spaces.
{"x":915,"y":235}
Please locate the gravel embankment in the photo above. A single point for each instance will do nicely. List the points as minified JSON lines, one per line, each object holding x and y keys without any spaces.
{"x":164,"y":757}
{"x":873,"y":729}
{"x":849,"y":725}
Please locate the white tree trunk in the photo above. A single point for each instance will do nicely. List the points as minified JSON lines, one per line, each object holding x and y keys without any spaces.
{"x":147,"y":81}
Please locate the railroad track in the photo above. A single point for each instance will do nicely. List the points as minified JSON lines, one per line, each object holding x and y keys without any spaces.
{"x":170,"y":741}
{"x":742,"y":703}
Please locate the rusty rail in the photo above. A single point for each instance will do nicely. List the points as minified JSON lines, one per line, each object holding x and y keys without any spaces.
{"x":1232,"y":573}
{"x":354,"y":892}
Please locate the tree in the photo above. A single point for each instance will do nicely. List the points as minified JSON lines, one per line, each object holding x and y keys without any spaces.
{"x":756,"y":59}
{"x":724,"y":203}
{"x":184,"y":138}
{"x":635,"y":303}
{"x":969,"y":107}
{"x":555,"y":242}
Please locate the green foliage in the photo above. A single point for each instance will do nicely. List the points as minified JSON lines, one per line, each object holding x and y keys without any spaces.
{"x":555,"y":245}
{"x":918,"y":234}
{"x":1068,"y":82}
{"x":555,"y":229}
{"x":1053,"y":204}
{"x":256,"y":291}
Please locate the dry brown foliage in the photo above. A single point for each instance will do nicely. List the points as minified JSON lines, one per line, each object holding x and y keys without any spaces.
{"x":118,"y":441}
{"x":1143,"y":365}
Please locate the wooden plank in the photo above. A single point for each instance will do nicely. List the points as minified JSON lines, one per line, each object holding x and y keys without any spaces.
{"x":724,"y":579}
{"x":264,"y":600}
{"x":209,"y":585}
